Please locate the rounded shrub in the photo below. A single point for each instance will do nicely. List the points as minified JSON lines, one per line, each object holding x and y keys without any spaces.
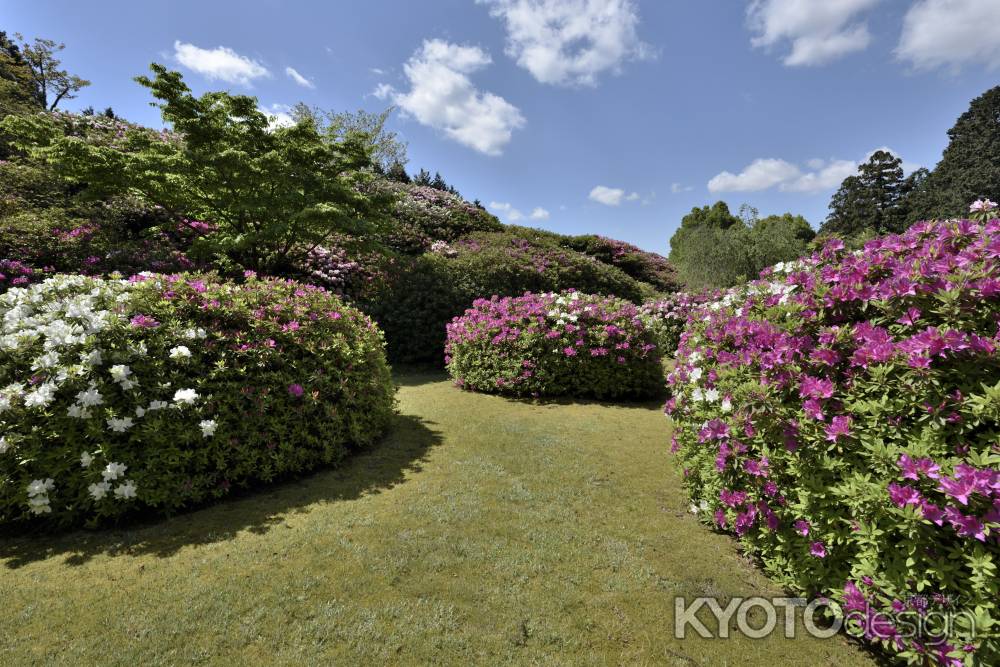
{"x":842,"y":417}
{"x":554,"y":344}
{"x":667,"y":316}
{"x":420,"y":295}
{"x":161,"y":392}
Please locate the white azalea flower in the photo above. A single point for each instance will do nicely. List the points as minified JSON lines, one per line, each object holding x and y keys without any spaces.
{"x":157,"y":405}
{"x":39,"y":505}
{"x":41,"y":486}
{"x":47,"y":360}
{"x":99,"y":490}
{"x":697,"y":395}
{"x":113,"y":471}
{"x":120,"y":425}
{"x":185,"y":396}
{"x":90,"y":397}
{"x":126,"y":490}
{"x":4,"y":444}
{"x":92,"y":358}
{"x":180,"y":352}
{"x":120,"y":372}
{"x":695,"y":374}
{"x":208,"y":427}
{"x":726,"y":405}
{"x":86,"y":459}
{"x":712,"y":395}
{"x":40,"y":397}
{"x":78,"y":412}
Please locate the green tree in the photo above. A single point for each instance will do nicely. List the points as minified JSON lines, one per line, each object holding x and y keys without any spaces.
{"x":423,"y":177}
{"x":272,"y":194}
{"x":397,"y":172}
{"x":51,"y":84}
{"x":873,"y":199}
{"x":385,"y":145}
{"x":969,"y":168}
{"x":17,"y":87}
{"x":779,"y":238}
{"x":710,"y":248}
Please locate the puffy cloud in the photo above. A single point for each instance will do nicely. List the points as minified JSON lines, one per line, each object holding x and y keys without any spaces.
{"x":767,"y":173}
{"x":506,"y":210}
{"x":442,"y":96}
{"x":761,"y":174}
{"x":539,"y":213}
{"x":951,"y":33}
{"x":611,"y":196}
{"x":298,"y":78}
{"x":819,"y":31}
{"x":570,"y":42}
{"x":219,"y":63}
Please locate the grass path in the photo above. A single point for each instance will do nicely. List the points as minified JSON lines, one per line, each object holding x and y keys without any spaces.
{"x":482,"y":531}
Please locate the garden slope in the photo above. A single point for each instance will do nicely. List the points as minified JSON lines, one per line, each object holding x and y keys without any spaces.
{"x":482,"y":530}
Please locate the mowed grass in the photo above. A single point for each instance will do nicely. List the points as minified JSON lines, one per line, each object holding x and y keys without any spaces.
{"x":482,"y":531}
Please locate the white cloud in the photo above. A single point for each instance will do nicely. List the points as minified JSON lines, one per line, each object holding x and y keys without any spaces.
{"x":377,"y":70}
{"x":607,"y":196}
{"x":632,"y":196}
{"x":505,"y":209}
{"x":219,"y":63}
{"x":951,"y":33}
{"x":570,"y":42}
{"x":278,"y":115}
{"x":760,"y":174}
{"x":819,"y":31}
{"x":298,"y":78}
{"x":821,"y":176}
{"x":442,"y":96}
{"x":677,"y":188}
{"x":539,"y":213}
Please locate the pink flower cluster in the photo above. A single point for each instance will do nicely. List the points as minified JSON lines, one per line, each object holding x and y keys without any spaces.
{"x":854,"y":394}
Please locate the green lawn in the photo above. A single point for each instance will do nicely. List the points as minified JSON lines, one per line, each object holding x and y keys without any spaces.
{"x":482,"y":530}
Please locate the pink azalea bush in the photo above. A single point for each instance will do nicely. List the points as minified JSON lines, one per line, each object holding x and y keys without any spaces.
{"x":149,"y":395}
{"x":554,"y":344}
{"x":840,"y":416}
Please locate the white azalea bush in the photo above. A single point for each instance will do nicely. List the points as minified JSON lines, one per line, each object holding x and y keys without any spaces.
{"x":120,"y":397}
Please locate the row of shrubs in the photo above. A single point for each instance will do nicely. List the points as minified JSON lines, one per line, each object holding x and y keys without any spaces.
{"x":840,"y":416}
{"x":155,"y":394}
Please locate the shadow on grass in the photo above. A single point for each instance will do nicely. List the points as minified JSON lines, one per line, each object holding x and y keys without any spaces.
{"x":415,"y":375}
{"x":374,"y":470}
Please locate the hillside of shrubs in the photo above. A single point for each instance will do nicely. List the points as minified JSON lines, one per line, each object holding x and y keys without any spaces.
{"x":840,"y":417}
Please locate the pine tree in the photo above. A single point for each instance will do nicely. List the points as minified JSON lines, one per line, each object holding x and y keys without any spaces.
{"x":423,"y":177}
{"x":969,"y":168}
{"x":438,"y":183}
{"x":873,"y":199}
{"x":397,"y":172}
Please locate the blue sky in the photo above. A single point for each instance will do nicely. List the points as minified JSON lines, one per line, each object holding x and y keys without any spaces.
{"x":600,"y":116}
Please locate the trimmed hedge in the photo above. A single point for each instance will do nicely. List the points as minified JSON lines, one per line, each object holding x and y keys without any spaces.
{"x":842,"y":418}
{"x":150,"y":396}
{"x":554,"y":345}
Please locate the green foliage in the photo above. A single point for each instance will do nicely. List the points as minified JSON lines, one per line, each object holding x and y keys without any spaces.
{"x":17,"y":87}
{"x":148,"y":397}
{"x":647,"y":267}
{"x":714,"y":248}
{"x":271,"y":193}
{"x":387,"y":150}
{"x":555,"y":344}
{"x":968,"y":169}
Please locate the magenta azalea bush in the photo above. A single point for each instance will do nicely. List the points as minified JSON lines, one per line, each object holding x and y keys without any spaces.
{"x":840,"y":416}
{"x":554,"y":344}
{"x":162,"y":392}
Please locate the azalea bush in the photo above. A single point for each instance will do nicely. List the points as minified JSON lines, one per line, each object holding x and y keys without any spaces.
{"x":420,"y":295}
{"x":642,"y":265}
{"x":158,"y":393}
{"x":554,"y":344}
{"x":667,"y":317}
{"x":840,"y":416}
